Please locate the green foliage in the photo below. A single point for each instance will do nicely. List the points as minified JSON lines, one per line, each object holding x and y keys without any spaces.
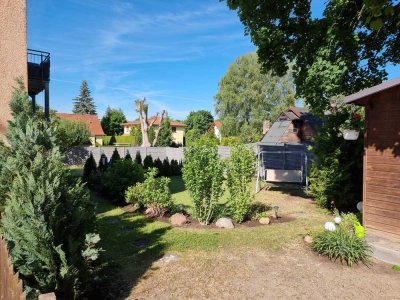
{"x":191,"y":136}
{"x":121,"y":175}
{"x":128,"y":155}
{"x":108,"y":140}
{"x":152,"y":193}
{"x":230,"y":141}
{"x":138,"y":158}
{"x":84,"y":104}
{"x":175,"y":168}
{"x":165,"y":135}
{"x":137,"y":135}
{"x":111,"y":121}
{"x":89,"y":168}
{"x":246,"y":96}
{"x":115,"y":156}
{"x":203,"y":173}
{"x":199,"y":120}
{"x":166,"y":167}
{"x":240,"y":168}
{"x":203,"y":140}
{"x":148,"y":162}
{"x":103,"y":163}
{"x":396,"y":268}
{"x":111,"y":140}
{"x":159,"y":165}
{"x":344,"y":245}
{"x":48,"y":215}
{"x":70,"y":134}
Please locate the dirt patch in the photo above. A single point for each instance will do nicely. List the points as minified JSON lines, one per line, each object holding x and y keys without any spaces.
{"x":296,"y":273}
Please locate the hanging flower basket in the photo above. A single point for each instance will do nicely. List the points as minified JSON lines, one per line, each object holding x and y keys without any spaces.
{"x":350,"y":135}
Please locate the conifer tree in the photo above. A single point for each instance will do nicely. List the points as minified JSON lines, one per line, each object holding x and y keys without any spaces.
{"x":48,"y":218}
{"x":165,"y":135}
{"x":84,"y":104}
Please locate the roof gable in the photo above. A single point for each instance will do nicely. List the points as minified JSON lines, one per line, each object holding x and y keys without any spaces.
{"x":92,"y":121}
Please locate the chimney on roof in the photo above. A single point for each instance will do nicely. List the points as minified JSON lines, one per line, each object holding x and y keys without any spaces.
{"x":265,"y":126}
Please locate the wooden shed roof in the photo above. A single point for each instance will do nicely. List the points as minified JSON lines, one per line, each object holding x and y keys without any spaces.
{"x":354,"y":98}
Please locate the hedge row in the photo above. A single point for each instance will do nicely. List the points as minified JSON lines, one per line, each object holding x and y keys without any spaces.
{"x":111,"y":140}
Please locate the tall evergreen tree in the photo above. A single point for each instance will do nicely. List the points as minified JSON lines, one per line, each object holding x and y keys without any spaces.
{"x":48,"y":216}
{"x":165,"y":135}
{"x":84,"y":104}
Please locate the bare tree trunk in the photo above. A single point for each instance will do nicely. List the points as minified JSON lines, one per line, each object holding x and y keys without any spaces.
{"x":145,"y":126}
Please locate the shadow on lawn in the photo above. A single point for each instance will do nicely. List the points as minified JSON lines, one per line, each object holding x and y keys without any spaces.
{"x":292,"y":189}
{"x":131,"y":243}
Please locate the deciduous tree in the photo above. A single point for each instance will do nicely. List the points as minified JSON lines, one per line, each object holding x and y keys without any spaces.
{"x":111,"y":121}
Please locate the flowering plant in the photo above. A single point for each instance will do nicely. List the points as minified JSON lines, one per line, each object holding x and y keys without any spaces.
{"x":356,"y":122}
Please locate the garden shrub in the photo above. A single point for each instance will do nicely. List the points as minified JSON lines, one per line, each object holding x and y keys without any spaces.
{"x":152,"y":193}
{"x":344,"y":245}
{"x":138,"y":158}
{"x":166,"y":168}
{"x":115,"y":156}
{"x":121,"y":175}
{"x":158,"y":164}
{"x":89,"y":168}
{"x":240,"y":167}
{"x":174,"y":166}
{"x":125,"y":139}
{"x":128,"y":155}
{"x":148,"y":162}
{"x":203,"y":174}
{"x":103,"y":163}
{"x":49,"y":216}
{"x":258,"y":210}
{"x":230,"y":141}
{"x":70,"y":134}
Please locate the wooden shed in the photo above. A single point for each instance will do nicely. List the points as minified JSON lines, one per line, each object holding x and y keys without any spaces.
{"x":381,"y":182}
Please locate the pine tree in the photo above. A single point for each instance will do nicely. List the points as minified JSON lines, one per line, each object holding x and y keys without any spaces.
{"x":128,"y":155}
{"x":165,"y":135}
{"x":84,"y":104}
{"x":138,"y":158}
{"x":115,"y":156}
{"x":48,"y":215}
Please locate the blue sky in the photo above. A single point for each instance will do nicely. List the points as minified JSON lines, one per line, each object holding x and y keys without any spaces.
{"x":173,"y":52}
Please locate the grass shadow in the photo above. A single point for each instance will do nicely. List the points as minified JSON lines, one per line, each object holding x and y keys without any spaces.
{"x":176,"y":185}
{"x":131,"y":243}
{"x":292,"y":189}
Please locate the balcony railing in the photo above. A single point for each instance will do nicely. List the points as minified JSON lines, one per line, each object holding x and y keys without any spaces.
{"x":38,"y":65}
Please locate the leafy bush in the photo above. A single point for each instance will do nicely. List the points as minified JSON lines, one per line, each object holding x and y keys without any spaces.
{"x":136,"y":133}
{"x":89,"y":168}
{"x":203,"y":176}
{"x":115,"y":156}
{"x":230,"y":141}
{"x":108,"y":140}
{"x":152,"y":193}
{"x":70,"y":134}
{"x":125,"y":139}
{"x":240,"y":167}
{"x":148,"y":162}
{"x":344,"y":245}
{"x":121,"y":175}
{"x":138,"y":158}
{"x":103,"y":163}
{"x":49,"y":215}
{"x":174,"y":167}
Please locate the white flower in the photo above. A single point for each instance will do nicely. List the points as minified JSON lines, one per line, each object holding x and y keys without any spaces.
{"x":338,"y":220}
{"x":330,"y":226}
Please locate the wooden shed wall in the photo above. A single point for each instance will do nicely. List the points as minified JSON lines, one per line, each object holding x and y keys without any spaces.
{"x":382,"y":163}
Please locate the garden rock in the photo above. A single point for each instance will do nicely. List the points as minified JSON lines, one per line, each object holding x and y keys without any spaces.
{"x":168,"y":258}
{"x":149,"y":211}
{"x":264,"y":221}
{"x":224,"y":223}
{"x":308,"y":239}
{"x":178,"y":219}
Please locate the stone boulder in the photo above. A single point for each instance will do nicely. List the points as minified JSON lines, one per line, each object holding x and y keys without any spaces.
{"x":178,"y":219}
{"x":264,"y":221}
{"x":224,"y":223}
{"x":149,"y":211}
{"x":308,"y":239}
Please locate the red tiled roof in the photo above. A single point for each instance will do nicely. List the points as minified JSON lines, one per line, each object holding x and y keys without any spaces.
{"x":217,"y":124}
{"x":137,"y":123}
{"x":92,"y":121}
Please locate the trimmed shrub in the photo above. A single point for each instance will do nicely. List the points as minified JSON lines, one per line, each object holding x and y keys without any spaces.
{"x":240,"y":167}
{"x":174,"y":168}
{"x":125,"y":139}
{"x":203,"y":174}
{"x":121,"y":175}
{"x":152,"y":193}
{"x":115,"y":156}
{"x":148,"y":162}
{"x":103,"y":163}
{"x":89,"y":168}
{"x":344,"y":245}
{"x":166,"y":168}
{"x":159,"y":165}
{"x":128,"y":155}
{"x":138,"y":158}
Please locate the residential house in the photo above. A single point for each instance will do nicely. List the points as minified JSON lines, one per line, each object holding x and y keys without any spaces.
{"x":294,"y":126}
{"x":216,"y":126}
{"x":178,"y":129}
{"x":16,"y":61}
{"x":93,"y":123}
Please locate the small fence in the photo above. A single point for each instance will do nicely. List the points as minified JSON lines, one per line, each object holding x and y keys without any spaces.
{"x":10,"y":285}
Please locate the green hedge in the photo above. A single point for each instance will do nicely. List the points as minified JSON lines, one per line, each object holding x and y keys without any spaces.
{"x":111,"y":140}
